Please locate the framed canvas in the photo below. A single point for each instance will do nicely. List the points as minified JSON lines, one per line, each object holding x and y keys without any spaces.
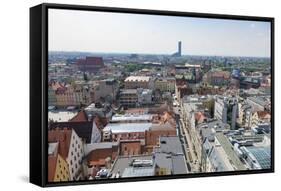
{"x":121,"y":95}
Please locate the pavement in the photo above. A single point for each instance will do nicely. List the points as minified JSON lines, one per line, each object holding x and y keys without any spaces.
{"x":186,"y":141}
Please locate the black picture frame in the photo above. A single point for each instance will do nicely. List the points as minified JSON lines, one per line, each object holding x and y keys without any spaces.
{"x":39,"y":85}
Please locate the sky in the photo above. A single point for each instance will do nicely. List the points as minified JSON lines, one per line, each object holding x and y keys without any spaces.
{"x":90,"y":31}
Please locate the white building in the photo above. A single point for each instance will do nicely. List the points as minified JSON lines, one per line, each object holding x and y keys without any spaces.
{"x":71,"y":150}
{"x":226,"y":110}
{"x":74,"y":158}
{"x":96,"y":134}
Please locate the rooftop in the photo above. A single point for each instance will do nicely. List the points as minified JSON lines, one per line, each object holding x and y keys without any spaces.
{"x":217,"y":156}
{"x":208,"y":129}
{"x":52,"y":147}
{"x":102,"y":145}
{"x":127,"y":127}
{"x":224,"y":142}
{"x":128,"y":91}
{"x":170,"y":155}
{"x":138,"y":171}
{"x":61,"y":116}
{"x":137,"y":79}
{"x":123,"y":162}
{"x":63,"y":137}
{"x":261,"y":100}
{"x":262,"y":155}
{"x":169,"y":144}
{"x":131,"y":117}
{"x":83,"y":129}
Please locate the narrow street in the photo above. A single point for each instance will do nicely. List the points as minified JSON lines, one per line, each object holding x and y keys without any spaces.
{"x":183,"y":140}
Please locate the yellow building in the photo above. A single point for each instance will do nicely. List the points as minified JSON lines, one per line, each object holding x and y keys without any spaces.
{"x":58,"y":170}
{"x":65,"y":96}
{"x":165,"y":84}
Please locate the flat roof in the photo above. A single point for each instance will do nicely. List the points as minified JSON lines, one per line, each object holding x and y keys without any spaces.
{"x":138,"y":171}
{"x":217,"y":156}
{"x":127,"y":127}
{"x":131,"y":117}
{"x":128,"y":91}
{"x":175,"y":163}
{"x":261,"y":100}
{"x":123,"y":162}
{"x":224,"y":142}
{"x":170,"y":155}
{"x":262,"y":154}
{"x":169,"y":144}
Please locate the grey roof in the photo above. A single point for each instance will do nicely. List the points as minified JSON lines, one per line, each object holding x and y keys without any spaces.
{"x":215,"y":158}
{"x":208,"y":129}
{"x":179,"y":164}
{"x":131,"y":117}
{"x":261,"y":100}
{"x":138,"y":171}
{"x":127,"y":127}
{"x":170,"y":155}
{"x":263,"y":156}
{"x":229,"y":151}
{"x":123,"y":162}
{"x":128,"y":91}
{"x":169,"y":144}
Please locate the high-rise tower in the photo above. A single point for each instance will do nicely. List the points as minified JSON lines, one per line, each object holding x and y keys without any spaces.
{"x":179,"y":48}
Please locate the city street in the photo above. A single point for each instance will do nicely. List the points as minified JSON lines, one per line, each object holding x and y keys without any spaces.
{"x":186,"y":141}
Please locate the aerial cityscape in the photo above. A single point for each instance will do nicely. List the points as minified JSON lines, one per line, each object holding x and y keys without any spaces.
{"x":129,"y":114}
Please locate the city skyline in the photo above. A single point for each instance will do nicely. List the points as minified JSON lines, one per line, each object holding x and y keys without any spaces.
{"x":136,"y":32}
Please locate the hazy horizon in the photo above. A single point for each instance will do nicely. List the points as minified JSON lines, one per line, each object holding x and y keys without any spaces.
{"x":100,"y":32}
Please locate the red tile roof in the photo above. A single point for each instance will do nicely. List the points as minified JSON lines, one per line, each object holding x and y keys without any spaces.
{"x":263,"y":114}
{"x":52,"y":162}
{"x":63,"y":136}
{"x":98,"y":61}
{"x":80,"y":117}
{"x":199,"y":116}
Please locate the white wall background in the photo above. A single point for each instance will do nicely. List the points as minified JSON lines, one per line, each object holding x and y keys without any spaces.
{"x":14,"y":85}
